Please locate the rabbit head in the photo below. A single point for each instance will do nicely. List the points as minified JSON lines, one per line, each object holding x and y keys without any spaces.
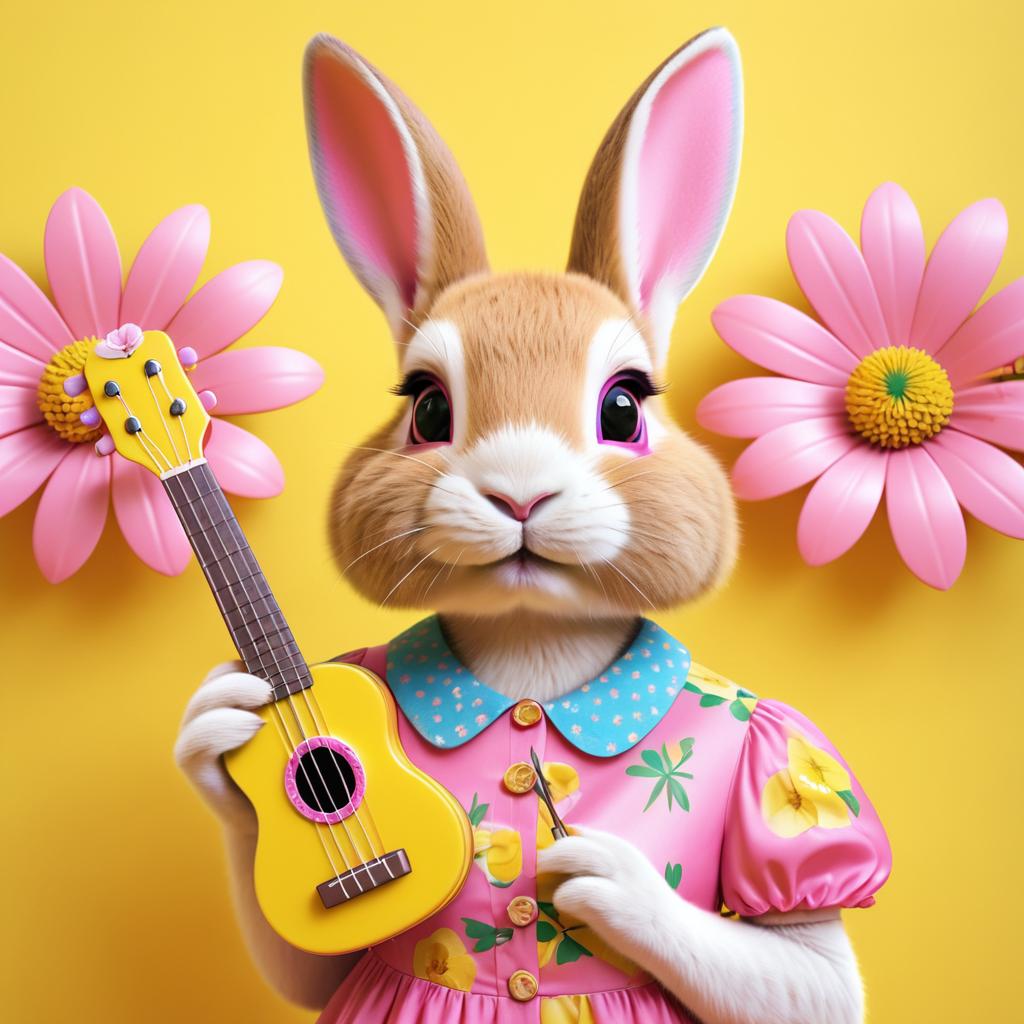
{"x":531,"y":463}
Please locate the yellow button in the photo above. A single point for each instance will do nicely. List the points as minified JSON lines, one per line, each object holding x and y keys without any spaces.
{"x":520,"y":777}
{"x":521,"y":911}
{"x":526,"y":712}
{"x":522,"y":986}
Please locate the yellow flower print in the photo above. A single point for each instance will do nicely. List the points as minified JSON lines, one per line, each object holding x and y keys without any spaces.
{"x":442,"y":959}
{"x":499,"y":853}
{"x":715,"y":689}
{"x":566,"y":1010}
{"x":814,"y":789}
{"x":497,"y":849}
{"x":563,"y":782}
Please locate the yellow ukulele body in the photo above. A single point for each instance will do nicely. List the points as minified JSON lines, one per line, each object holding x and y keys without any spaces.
{"x":355,"y":843}
{"x":400,"y":808}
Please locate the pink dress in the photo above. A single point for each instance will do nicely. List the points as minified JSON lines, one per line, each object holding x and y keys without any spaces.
{"x":739,"y":801}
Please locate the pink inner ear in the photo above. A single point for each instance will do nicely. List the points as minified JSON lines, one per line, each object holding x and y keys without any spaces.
{"x":364,"y":177}
{"x":685,"y":175}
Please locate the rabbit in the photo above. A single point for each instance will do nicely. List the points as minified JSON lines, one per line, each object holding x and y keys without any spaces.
{"x":541,"y":519}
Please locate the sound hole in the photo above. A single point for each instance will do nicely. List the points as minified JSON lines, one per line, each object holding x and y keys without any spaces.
{"x":325,"y":780}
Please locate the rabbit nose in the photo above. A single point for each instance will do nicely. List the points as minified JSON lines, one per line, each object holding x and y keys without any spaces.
{"x":518,"y":510}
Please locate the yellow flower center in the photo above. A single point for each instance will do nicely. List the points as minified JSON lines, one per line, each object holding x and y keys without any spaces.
{"x":60,"y":410}
{"x":898,"y":396}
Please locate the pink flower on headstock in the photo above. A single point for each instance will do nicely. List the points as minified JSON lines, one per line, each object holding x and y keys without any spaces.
{"x":120,"y":343}
{"x":48,"y":424}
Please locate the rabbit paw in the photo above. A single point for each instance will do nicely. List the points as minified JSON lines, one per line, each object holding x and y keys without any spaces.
{"x":217,"y":720}
{"x":612,"y":887}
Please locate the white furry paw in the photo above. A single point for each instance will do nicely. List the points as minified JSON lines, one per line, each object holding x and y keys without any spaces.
{"x":612,"y":887}
{"x":217,"y":719}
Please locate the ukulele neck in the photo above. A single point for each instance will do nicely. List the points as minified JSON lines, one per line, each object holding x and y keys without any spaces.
{"x":252,"y":614}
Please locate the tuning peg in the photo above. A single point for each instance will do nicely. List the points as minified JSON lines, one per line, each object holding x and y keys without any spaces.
{"x":74,"y":386}
{"x":209,"y":400}
{"x":91,"y":417}
{"x":105,"y":445}
{"x":188,"y":357}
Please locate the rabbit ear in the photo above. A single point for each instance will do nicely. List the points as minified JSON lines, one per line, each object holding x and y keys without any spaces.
{"x":394,"y":198}
{"x":658,"y":193}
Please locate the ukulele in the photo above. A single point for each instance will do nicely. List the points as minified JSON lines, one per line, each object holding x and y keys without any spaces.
{"x":355,"y":843}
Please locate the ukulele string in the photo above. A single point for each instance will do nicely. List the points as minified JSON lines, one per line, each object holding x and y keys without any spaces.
{"x":298,"y":722}
{"x":322,"y":727}
{"x":184,"y":432}
{"x":163,"y":419}
{"x":355,"y":810}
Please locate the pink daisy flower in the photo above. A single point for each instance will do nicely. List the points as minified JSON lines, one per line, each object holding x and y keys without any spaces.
{"x":43,"y":439}
{"x":905,"y":390}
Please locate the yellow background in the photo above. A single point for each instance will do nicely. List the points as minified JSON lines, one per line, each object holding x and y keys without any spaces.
{"x":114,"y":901}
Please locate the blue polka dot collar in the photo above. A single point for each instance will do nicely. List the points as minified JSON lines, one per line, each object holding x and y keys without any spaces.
{"x":448,"y":706}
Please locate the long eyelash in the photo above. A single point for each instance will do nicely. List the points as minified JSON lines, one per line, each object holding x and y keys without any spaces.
{"x":413,"y":383}
{"x":643,"y":383}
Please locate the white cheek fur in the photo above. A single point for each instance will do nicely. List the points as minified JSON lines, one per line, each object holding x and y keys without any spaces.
{"x":585,"y":520}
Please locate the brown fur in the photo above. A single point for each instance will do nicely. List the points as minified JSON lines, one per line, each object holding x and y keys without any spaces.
{"x":525,"y":339}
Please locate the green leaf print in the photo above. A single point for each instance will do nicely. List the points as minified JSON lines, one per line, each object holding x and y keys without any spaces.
{"x":712,"y":700}
{"x":569,"y":950}
{"x":546,"y":931}
{"x":487,"y":936}
{"x":846,"y":795}
{"x":740,"y":711}
{"x":549,"y":909}
{"x":666,"y":773}
{"x":476,"y":812}
{"x":673,"y":874}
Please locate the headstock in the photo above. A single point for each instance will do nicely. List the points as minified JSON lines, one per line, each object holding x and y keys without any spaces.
{"x":144,"y":397}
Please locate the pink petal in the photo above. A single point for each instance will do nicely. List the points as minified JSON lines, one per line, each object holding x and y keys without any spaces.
{"x":148,"y":520}
{"x":986,"y":481}
{"x":166,"y":268}
{"x":242,"y":463}
{"x":990,"y":338}
{"x":781,"y":338}
{"x":993,"y":412}
{"x":257,"y":379}
{"x":27,"y":458}
{"x":71,"y":513}
{"x":83,"y":264}
{"x":226,"y":307}
{"x":832,"y":274}
{"x":18,"y":409}
{"x":925,"y":518}
{"x":19,"y":370}
{"x":28,"y":321}
{"x":960,"y":268}
{"x":790,"y":456}
{"x":841,"y":504}
{"x":894,"y":251}
{"x":752,"y":406}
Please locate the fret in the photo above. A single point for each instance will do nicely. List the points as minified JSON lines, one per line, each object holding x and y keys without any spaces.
{"x":258,"y":627}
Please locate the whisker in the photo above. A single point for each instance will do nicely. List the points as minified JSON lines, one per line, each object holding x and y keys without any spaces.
{"x":390,"y":540}
{"x":612,"y":565}
{"x":397,"y":455}
{"x":408,"y":574}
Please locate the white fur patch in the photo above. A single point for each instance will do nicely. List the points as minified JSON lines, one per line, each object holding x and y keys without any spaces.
{"x":583,"y":521}
{"x":617,"y":345}
{"x":437,"y":348}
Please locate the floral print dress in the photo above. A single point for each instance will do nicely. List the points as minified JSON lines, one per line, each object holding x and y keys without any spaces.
{"x":738,"y":801}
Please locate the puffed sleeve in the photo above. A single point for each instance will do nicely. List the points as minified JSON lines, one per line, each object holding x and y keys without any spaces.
{"x":800,"y":833}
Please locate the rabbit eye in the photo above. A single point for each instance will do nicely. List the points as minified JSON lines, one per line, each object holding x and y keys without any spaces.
{"x":621,"y":418}
{"x":431,"y":416}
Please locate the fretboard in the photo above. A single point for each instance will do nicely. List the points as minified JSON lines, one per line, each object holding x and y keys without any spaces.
{"x":253,"y":616}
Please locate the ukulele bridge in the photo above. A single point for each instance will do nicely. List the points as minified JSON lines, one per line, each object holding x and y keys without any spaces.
{"x":364,"y":878}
